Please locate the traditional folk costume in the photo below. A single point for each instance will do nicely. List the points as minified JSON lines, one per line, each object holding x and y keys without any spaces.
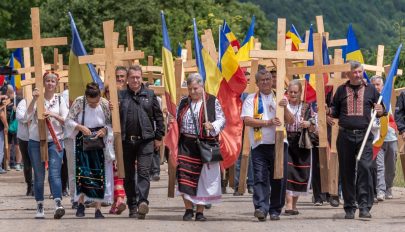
{"x":269,"y":193}
{"x":352,"y":105}
{"x":299,"y":159}
{"x":197,"y":182}
{"x":93,"y":169}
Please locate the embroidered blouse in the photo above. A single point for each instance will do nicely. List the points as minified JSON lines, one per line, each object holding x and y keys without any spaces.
{"x":56,"y":105}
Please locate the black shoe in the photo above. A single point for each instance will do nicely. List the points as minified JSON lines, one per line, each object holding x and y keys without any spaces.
{"x":75,"y":205}
{"x":274,"y":217}
{"x":208,"y":206}
{"x":80,"y":210}
{"x":188,"y":215}
{"x":200,"y":217}
{"x":29,"y":190}
{"x":364,"y":214}
{"x":318,"y":203}
{"x":291,"y":212}
{"x":98,"y":215}
{"x":143,"y":209}
{"x":133,"y":212}
{"x":105,"y":204}
{"x":334,"y":201}
{"x":260,"y":215}
{"x":155,"y":177}
{"x":223,"y":190}
{"x":250,"y":189}
{"x":349,"y":215}
{"x":237,"y":193}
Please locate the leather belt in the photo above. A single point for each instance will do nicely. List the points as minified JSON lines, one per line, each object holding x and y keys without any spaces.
{"x":133,"y":138}
{"x":353,"y":131}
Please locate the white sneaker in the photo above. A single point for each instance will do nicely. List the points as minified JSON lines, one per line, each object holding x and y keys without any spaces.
{"x":40,"y":211}
{"x":380,"y":196}
{"x":59,"y":210}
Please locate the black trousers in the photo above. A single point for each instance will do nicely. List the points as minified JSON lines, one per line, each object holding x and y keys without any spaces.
{"x":268,"y":193}
{"x":316,"y":177}
{"x":360,"y":189}
{"x":64,"y":174}
{"x":27,"y":162}
{"x":140,"y":151}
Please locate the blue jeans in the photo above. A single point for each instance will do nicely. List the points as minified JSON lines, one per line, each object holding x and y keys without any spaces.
{"x":268,"y":193}
{"x":249,"y":181}
{"x":54,"y":168}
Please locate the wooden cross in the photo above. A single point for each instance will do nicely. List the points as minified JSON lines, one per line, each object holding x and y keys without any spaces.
{"x":246,"y":147}
{"x":208,"y":42}
{"x":281,"y":55}
{"x":37,"y":43}
{"x":321,"y":30}
{"x":379,"y":68}
{"x":333,"y":174}
{"x":60,"y":69}
{"x":319,"y":69}
{"x":110,"y":57}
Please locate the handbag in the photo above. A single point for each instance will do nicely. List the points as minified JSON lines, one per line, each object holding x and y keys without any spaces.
{"x":308,"y":139}
{"x":91,"y":142}
{"x":13,"y":127}
{"x":209,"y":150}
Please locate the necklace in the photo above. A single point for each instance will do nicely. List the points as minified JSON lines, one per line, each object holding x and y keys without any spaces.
{"x":51,"y":104}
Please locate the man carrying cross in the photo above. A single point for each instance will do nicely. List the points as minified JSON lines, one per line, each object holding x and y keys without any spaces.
{"x":142,"y":131}
{"x":259,"y":113}
{"x":352,"y":105}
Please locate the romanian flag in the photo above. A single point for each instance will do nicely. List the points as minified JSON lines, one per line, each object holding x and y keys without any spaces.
{"x":310,"y":84}
{"x":386,"y":92}
{"x":79,"y":74}
{"x":222,"y":85}
{"x":352,"y":50}
{"x":230,"y":36}
{"x":248,"y":43}
{"x":295,"y":37}
{"x":172,"y":137}
{"x":16,"y":61}
{"x":232,"y":86}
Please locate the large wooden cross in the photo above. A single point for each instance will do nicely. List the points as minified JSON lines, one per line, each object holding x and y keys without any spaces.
{"x":319,"y":69}
{"x":246,"y":147}
{"x":110,"y":57}
{"x":37,"y":43}
{"x":379,"y":68}
{"x":321,"y":30}
{"x":333,"y":174}
{"x":281,"y":55}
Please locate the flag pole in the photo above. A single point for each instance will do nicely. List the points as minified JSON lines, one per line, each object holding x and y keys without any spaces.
{"x":363,"y":144}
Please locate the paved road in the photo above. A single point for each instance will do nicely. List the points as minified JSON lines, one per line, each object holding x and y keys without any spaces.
{"x":233,"y":214}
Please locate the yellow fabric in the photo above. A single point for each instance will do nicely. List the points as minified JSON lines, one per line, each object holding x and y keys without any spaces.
{"x":213,"y":77}
{"x":79,"y":77}
{"x":356,"y":56}
{"x":168,"y":71}
{"x":229,"y":63}
{"x":243,"y":53}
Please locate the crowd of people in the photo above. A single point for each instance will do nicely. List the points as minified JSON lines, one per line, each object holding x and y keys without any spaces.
{"x":81,"y":158}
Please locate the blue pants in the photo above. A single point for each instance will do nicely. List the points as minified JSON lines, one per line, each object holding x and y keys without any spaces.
{"x":54,"y":168}
{"x":268,"y":193}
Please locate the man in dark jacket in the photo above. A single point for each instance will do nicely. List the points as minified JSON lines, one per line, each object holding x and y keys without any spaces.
{"x":142,"y":130}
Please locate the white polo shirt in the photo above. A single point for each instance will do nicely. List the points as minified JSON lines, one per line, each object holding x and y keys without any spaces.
{"x":269,"y":112}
